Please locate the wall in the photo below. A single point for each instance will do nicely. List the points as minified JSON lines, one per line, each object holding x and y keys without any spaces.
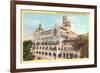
{"x":5,"y":36}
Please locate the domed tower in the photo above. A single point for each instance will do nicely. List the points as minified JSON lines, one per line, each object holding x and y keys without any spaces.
{"x":64,"y":20}
{"x":65,"y":23}
{"x":39,"y":28}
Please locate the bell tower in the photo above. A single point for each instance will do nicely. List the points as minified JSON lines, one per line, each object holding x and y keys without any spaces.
{"x":64,"y":20}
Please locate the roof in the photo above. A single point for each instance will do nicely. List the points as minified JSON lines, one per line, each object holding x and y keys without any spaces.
{"x":40,"y":28}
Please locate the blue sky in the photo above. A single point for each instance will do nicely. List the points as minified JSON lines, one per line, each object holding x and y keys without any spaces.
{"x":79,"y":22}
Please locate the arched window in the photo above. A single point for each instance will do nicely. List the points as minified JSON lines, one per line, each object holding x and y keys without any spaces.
{"x":54,"y":55}
{"x":42,"y":53}
{"x":59,"y":48}
{"x":59,"y":55}
{"x":71,"y":55}
{"x":43,"y":48}
{"x":55,"y":48}
{"x":49,"y":54}
{"x":37,"y":43}
{"x":40,"y":47}
{"x":50,"y":48}
{"x":46,"y":53}
{"x":37,"y":52}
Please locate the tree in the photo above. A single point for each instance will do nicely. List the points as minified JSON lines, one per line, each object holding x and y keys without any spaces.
{"x":77,"y":44}
{"x":27,"y":55}
{"x":85,"y":47}
{"x":82,"y":44}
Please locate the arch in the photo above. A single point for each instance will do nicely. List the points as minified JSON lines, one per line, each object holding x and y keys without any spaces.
{"x":43,"y":47}
{"x":50,"y":48}
{"x":40,"y":47}
{"x":46,"y":53}
{"x":71,"y":55}
{"x":49,"y":53}
{"x":37,"y":52}
{"x":67,"y":55}
{"x":59,"y":55}
{"x":42,"y":53}
{"x":38,"y":43}
{"x":55,"y":48}
{"x":54,"y":55}
{"x":46,"y":48}
{"x":59,"y":48}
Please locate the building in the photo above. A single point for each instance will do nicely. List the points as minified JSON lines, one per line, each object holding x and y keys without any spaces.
{"x":55,"y":43}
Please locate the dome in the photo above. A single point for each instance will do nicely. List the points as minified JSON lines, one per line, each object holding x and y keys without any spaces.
{"x":40,"y":28}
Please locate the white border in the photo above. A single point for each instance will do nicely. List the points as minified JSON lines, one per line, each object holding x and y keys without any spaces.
{"x":19,"y":65}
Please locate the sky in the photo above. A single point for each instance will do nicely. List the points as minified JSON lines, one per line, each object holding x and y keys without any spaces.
{"x":31,"y":20}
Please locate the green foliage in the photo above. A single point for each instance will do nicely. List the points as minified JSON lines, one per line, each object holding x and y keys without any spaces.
{"x":27,"y":55}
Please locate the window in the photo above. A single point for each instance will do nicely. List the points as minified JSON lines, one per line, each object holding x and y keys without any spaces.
{"x":37,"y":52}
{"x":59,"y":55}
{"x":42,"y":53}
{"x":40,"y":47}
{"x":46,"y":53}
{"x":59,"y":48}
{"x":71,"y":55}
{"x":54,"y":54}
{"x":49,"y":54}
{"x":43,"y":48}
{"x":55,"y":48}
{"x":46,"y":48}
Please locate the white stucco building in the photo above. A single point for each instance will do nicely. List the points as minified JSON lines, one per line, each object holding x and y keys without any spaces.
{"x":55,"y":43}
